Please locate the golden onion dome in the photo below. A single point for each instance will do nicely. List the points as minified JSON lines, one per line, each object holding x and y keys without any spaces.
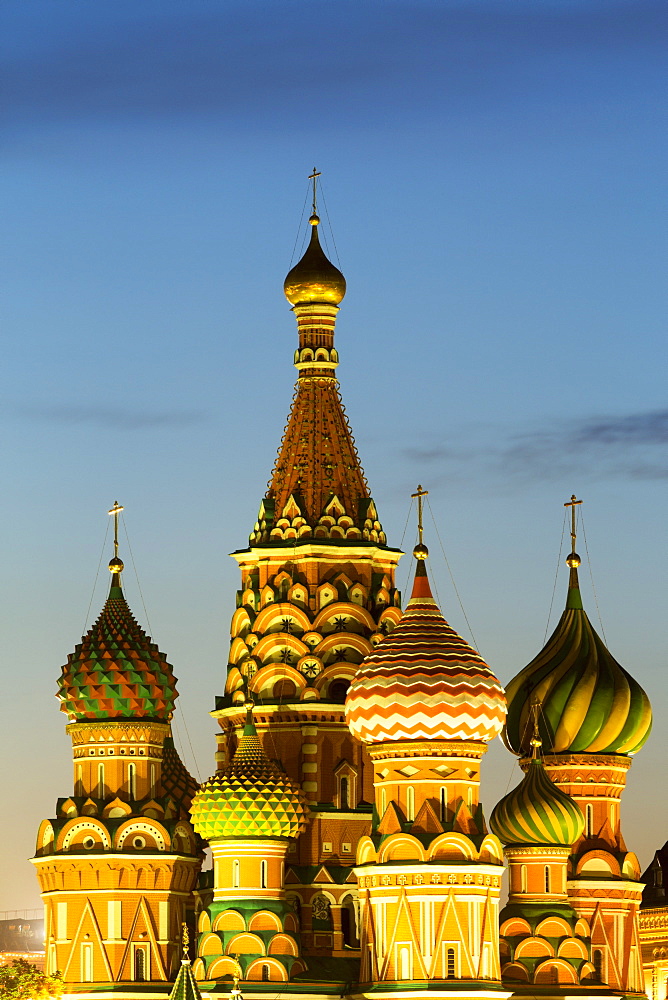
{"x":314,"y":278}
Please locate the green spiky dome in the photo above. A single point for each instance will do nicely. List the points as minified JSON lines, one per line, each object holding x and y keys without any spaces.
{"x":116,"y":671}
{"x":589,"y":703}
{"x":250,"y":797}
{"x":176,"y":780}
{"x":537,"y":812}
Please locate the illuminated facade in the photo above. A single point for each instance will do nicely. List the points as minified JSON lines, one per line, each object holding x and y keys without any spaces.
{"x":351,"y":855}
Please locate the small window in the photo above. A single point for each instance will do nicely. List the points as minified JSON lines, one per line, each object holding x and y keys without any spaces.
{"x":597,"y":958}
{"x":263,"y":874}
{"x":589,"y":817}
{"x":132,"y":781}
{"x":236,"y":874}
{"x":443,"y":803}
{"x":100,"y":781}
{"x":450,"y":973}
{"x":265,"y":973}
{"x":140,"y":965}
{"x":344,"y":803}
{"x":410,"y":803}
{"x":523,"y":878}
{"x":547,"y":878}
{"x":86,"y":963}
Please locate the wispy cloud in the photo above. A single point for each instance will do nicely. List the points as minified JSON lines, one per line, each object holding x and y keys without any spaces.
{"x":627,"y":446}
{"x":117,"y":418}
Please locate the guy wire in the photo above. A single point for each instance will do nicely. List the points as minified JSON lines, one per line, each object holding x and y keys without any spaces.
{"x":556,"y":576}
{"x":591,"y":577}
{"x":299,"y":228}
{"x":461,"y":605}
{"x":92,"y":593}
{"x":331,"y":230}
{"x":403,"y":534}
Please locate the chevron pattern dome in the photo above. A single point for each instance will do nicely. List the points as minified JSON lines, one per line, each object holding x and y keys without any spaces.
{"x":537,"y":812}
{"x":589,"y":703}
{"x":251,"y":797}
{"x":116,"y":671}
{"x":424,"y":682}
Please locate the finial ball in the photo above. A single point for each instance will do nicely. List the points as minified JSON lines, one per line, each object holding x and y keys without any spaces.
{"x":314,"y":220}
{"x":116,"y":565}
{"x":420,"y":551}
{"x":573,"y":560}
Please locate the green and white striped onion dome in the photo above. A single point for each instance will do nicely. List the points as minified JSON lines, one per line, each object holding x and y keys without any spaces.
{"x":251,"y":797}
{"x":537,"y":812}
{"x":589,"y":703}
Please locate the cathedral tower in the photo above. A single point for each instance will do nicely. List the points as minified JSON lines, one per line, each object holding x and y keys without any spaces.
{"x":426,"y":705}
{"x":594,"y":716}
{"x":317,"y":594}
{"x":118,"y":863}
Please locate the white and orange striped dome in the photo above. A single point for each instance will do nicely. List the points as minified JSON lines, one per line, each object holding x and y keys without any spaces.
{"x":424,"y":682}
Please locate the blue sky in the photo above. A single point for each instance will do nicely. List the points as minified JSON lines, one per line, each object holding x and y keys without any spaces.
{"x":494,"y":174}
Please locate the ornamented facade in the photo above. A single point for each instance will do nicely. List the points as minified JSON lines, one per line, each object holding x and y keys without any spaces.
{"x":351,"y":855}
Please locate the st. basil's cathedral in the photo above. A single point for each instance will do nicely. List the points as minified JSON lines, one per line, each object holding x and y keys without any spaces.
{"x":351,"y":856}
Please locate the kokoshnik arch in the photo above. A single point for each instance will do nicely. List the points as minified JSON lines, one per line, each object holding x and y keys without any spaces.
{"x":351,"y":855}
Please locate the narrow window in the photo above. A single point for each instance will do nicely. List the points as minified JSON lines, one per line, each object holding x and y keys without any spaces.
{"x":86,"y":963}
{"x":100,"y":781}
{"x":265,"y":973}
{"x":80,"y":788}
{"x":547,"y":878}
{"x":589,"y":816}
{"x":523,"y":878}
{"x":404,"y":964}
{"x":152,"y":779}
{"x":140,"y":965}
{"x":451,"y":964}
{"x":263,"y":874}
{"x":132,"y":781}
{"x":383,"y":803}
{"x":410,"y":803}
{"x":597,"y":958}
{"x":236,"y":874}
{"x":443,"y":801}
{"x":469,"y":798}
{"x":344,"y":803}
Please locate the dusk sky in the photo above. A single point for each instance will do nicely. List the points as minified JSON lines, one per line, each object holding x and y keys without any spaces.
{"x":494,"y":174}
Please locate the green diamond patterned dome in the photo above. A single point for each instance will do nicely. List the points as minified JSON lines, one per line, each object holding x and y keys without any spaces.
{"x":250,"y":797}
{"x":116,"y":671}
{"x":537,"y":812}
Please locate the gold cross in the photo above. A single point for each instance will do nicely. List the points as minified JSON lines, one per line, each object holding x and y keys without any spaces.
{"x":573,"y":503}
{"x":115,"y":511}
{"x":420,"y":493}
{"x":314,"y":177}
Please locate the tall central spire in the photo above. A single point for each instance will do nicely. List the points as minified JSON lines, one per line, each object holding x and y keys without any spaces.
{"x":317,"y":488}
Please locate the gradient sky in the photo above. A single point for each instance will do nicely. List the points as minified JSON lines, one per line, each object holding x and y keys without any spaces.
{"x":495,"y":178}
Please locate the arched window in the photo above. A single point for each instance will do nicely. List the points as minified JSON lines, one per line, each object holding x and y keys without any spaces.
{"x":404,"y":964}
{"x":132,"y":781}
{"x":265,"y":973}
{"x":236,"y":873}
{"x":263,"y":874}
{"x":344,"y":800}
{"x":338,"y":690}
{"x":100,"y":781}
{"x":597,"y":958}
{"x":523,"y":878}
{"x":410,"y":803}
{"x":349,"y":923}
{"x":589,"y":818}
{"x":450,"y":971}
{"x":547,"y":878}
{"x":86,"y":963}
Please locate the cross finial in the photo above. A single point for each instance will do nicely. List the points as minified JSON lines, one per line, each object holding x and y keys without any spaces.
{"x":420,"y":551}
{"x":116,"y":564}
{"x":536,"y":742}
{"x":314,"y":177}
{"x":573,"y":503}
{"x":185,"y":941}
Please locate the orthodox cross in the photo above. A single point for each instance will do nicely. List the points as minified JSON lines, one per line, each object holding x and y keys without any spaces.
{"x":573,"y":503}
{"x":536,"y":742}
{"x":115,"y":511}
{"x":420,"y":493}
{"x":314,"y":177}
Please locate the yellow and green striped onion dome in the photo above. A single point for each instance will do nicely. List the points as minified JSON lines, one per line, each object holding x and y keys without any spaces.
{"x":537,"y":812}
{"x":117,"y":671}
{"x":424,"y":682}
{"x":250,"y":797}
{"x":589,"y":703}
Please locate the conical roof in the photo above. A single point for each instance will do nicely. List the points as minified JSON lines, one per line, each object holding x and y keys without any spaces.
{"x":250,"y":797}
{"x":424,"y":681}
{"x":314,"y":278}
{"x":589,"y":702}
{"x":176,"y":780}
{"x":537,"y":812}
{"x":117,"y":671}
